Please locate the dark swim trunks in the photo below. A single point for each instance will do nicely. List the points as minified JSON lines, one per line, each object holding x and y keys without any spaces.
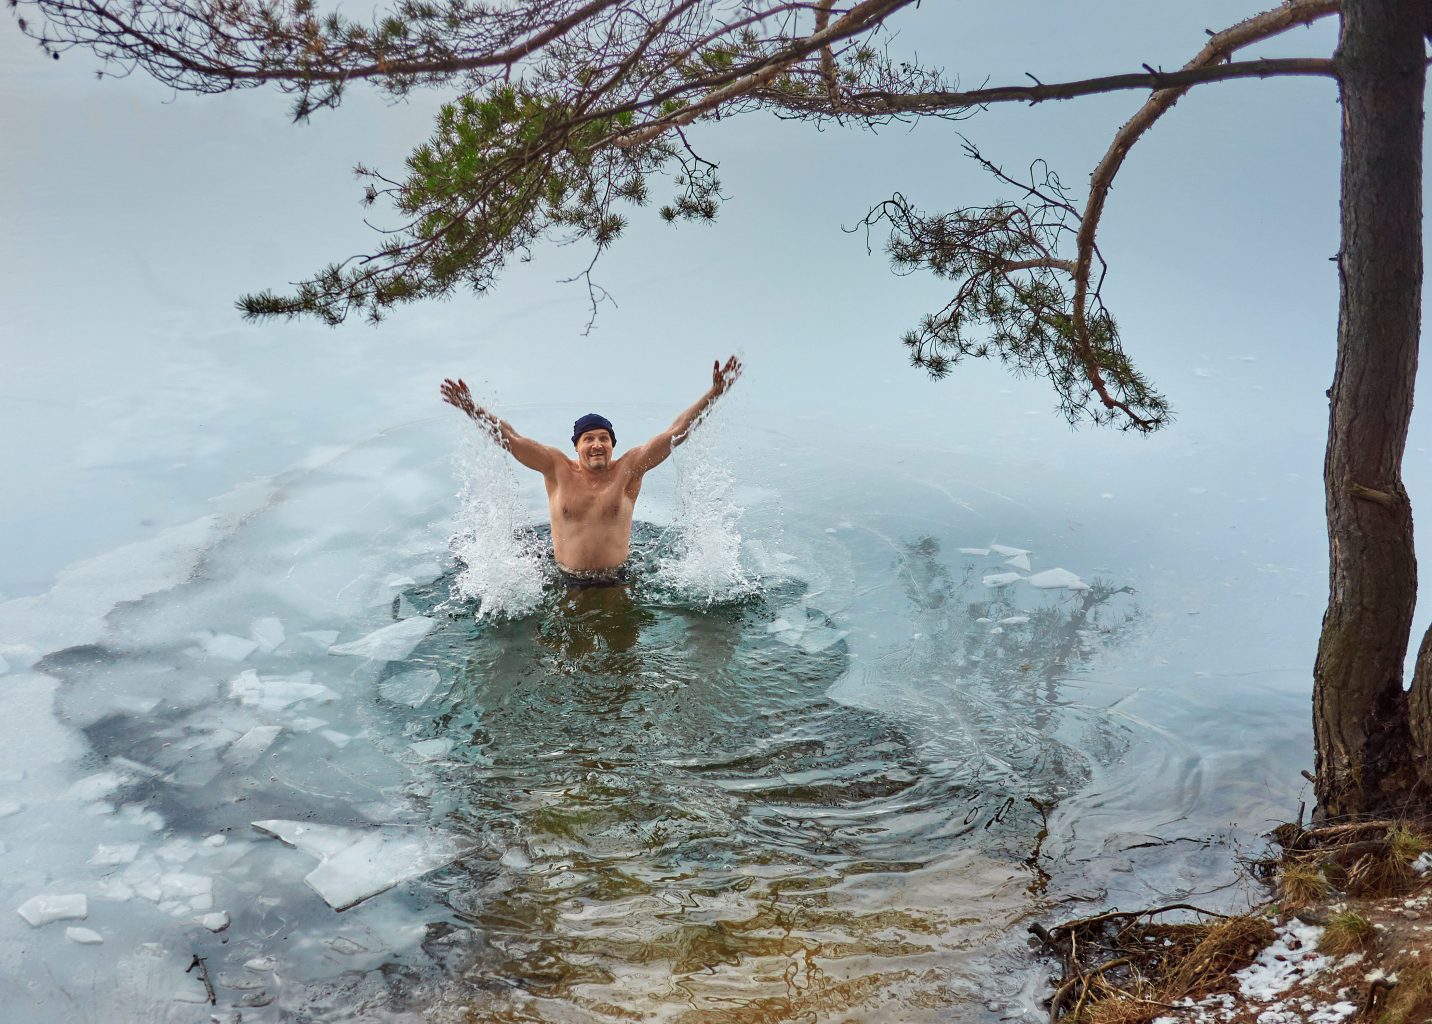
{"x":613,"y":577}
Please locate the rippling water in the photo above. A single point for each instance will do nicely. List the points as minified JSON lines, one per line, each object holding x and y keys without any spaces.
{"x":822,"y":761}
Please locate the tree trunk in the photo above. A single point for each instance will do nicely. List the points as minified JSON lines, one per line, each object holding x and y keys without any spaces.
{"x":1365,"y":756}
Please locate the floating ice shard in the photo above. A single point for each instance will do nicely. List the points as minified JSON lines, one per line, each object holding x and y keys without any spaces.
{"x":267,"y":633}
{"x":391,"y":643}
{"x":276,"y":692}
{"x":96,"y":786}
{"x":410,"y":688}
{"x":1001,"y":579}
{"x":338,"y":739}
{"x":215,"y":922}
{"x":430,"y":749}
{"x":1014,"y":620}
{"x":321,"y":841}
{"x":119,"y":853}
{"x":249,"y":747}
{"x":322,"y":637}
{"x":182,"y":886}
{"x":1054,"y":579}
{"x":1019,"y":561}
{"x":84,"y":936}
{"x":42,"y":909}
{"x":228,"y":647}
{"x":1002,"y":549}
{"x":355,"y":864}
{"x":974,"y":551}
{"x":813,"y":641}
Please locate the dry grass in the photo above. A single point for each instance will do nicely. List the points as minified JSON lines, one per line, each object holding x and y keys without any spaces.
{"x":1300,"y":885}
{"x":1346,"y":931}
{"x":1410,"y":1002}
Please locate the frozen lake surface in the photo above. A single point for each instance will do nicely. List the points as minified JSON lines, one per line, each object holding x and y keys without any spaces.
{"x":859,"y":720}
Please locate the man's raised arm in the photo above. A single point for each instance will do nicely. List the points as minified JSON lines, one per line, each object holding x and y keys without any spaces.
{"x":654,"y":452}
{"x":530,"y":453}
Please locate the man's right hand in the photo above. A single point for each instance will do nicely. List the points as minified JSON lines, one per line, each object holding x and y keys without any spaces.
{"x":456,"y":394}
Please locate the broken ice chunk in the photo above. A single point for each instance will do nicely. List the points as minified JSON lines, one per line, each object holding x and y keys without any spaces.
{"x":95,"y":787}
{"x":1019,"y":561}
{"x":316,"y":840}
{"x":377,"y":863}
{"x":1002,"y":549}
{"x":322,"y":637}
{"x":228,"y":646}
{"x":338,"y":739}
{"x":391,"y":643}
{"x":1014,"y":620}
{"x":42,"y":909}
{"x":1054,"y":579}
{"x":276,"y":692}
{"x":215,"y":922}
{"x":119,"y":853}
{"x":249,"y":747}
{"x":267,"y":633}
{"x":816,"y":640}
{"x":974,"y":551}
{"x":356,"y":864}
{"x":84,"y":936}
{"x":430,"y":749}
{"x":1001,"y":579}
{"x":410,"y":688}
{"x":182,"y":886}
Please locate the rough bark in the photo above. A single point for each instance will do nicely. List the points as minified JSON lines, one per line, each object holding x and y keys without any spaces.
{"x":1365,"y":757}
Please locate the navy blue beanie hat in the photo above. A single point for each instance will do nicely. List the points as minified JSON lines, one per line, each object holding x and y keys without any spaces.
{"x":592,"y":421}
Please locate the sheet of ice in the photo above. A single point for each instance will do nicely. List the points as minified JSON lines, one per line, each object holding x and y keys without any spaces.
{"x":249,"y":747}
{"x":1055,"y":579}
{"x":268,"y":633}
{"x":975,"y":551}
{"x":1004,"y":549}
{"x":391,"y":643}
{"x":228,"y":647}
{"x":275,"y":692}
{"x":1019,"y":561}
{"x":45,"y":908}
{"x":356,"y":864}
{"x":324,"y":638}
{"x":410,"y":688}
{"x":84,"y":936}
{"x":1001,"y":579}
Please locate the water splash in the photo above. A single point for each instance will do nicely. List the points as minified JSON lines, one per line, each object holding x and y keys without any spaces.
{"x":704,"y":545}
{"x":501,"y":553}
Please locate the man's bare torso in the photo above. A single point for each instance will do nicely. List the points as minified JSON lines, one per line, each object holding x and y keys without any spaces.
{"x":592,"y":513}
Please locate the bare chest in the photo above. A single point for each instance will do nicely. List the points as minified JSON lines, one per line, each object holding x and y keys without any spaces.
{"x":578,"y":500}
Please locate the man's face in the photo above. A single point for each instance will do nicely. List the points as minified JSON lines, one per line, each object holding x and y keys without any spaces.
{"x":594,"y":449}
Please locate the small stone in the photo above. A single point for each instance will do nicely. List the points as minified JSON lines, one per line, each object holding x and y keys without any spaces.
{"x":1411,"y":915}
{"x":84,"y":936}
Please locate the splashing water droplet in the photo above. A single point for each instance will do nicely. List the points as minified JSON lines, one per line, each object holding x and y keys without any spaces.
{"x":502,"y":555}
{"x":703,"y":562}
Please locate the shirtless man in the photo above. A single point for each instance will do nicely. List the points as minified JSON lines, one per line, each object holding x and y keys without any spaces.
{"x":592,"y":497}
